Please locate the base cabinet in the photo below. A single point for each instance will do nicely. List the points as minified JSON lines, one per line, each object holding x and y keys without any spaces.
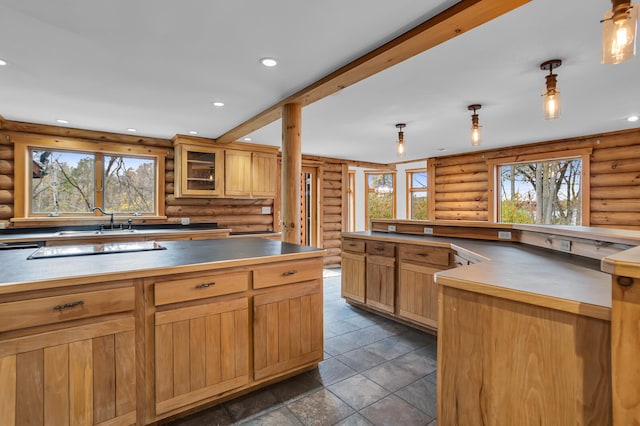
{"x":418,"y":294}
{"x":353,"y":284}
{"x":288,"y":328}
{"x":81,"y":375}
{"x":200,"y":351}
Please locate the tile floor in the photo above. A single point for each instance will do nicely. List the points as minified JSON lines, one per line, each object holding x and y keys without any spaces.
{"x":375,"y":372}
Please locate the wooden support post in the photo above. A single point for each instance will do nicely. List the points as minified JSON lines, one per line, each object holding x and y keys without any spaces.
{"x":291,"y":170}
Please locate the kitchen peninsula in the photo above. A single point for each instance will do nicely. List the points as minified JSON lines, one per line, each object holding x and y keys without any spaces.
{"x":137,"y":337}
{"x":522,"y":312}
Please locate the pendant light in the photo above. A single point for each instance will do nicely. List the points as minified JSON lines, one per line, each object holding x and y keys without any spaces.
{"x":551,"y":96}
{"x":619,"y":32}
{"x":476,"y":136}
{"x":400,"y":149}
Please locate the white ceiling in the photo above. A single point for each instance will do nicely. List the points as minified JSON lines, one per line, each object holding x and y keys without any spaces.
{"x":156,"y":65}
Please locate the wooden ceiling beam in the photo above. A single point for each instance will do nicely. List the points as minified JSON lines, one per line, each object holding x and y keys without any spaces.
{"x":458,"y":19}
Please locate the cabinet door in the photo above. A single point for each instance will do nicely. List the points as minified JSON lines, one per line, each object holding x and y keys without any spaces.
{"x":199,"y":171}
{"x":237,"y":173}
{"x":264,"y":180}
{"x":81,"y":375}
{"x":418,"y":294}
{"x":201,"y":351}
{"x":380,"y":279}
{"x":353,"y":276}
{"x":287,"y":328}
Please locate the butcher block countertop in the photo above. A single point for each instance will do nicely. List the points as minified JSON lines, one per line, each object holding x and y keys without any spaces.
{"x":22,"y":274}
{"x":519,"y":272}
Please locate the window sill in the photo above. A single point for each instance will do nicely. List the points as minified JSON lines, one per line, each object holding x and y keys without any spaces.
{"x":82,"y":220}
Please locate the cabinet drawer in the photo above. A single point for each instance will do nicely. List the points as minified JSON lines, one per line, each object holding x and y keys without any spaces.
{"x":287,"y":272}
{"x":353,"y":246}
{"x":66,"y":307}
{"x":200,"y":287}
{"x":381,"y":249}
{"x":422,"y":254}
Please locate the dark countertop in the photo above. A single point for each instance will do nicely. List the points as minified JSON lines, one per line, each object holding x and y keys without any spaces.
{"x":40,"y":235}
{"x":20,"y":274}
{"x":520,"y":272}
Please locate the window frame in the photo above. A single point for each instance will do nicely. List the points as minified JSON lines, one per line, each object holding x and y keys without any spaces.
{"x":368,"y":190}
{"x":583,"y":154}
{"x":23,"y":144}
{"x":410,"y":190}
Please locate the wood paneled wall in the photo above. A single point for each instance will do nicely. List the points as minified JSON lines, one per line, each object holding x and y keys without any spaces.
{"x":240,"y":215}
{"x":461,"y":189}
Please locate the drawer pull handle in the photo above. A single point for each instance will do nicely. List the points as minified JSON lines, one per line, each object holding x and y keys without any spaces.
{"x":422,"y":254}
{"x":288,"y":273}
{"x":68,"y":305}
{"x":206,"y":285}
{"x":379,"y":248}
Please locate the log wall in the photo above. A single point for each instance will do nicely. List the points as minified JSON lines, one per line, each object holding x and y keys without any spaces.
{"x":240,"y":215}
{"x":462,"y":186}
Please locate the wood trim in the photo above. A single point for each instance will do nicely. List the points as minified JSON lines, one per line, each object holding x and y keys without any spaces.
{"x":492,"y":215}
{"x":57,"y":131}
{"x":458,"y":19}
{"x":585,"y":189}
{"x":431,"y":188}
{"x":550,"y":155}
{"x":345,"y":198}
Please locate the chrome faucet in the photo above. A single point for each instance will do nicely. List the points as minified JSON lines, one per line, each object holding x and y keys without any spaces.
{"x":104,"y":213}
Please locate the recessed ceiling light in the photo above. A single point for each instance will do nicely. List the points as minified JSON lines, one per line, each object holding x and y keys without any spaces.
{"x":441,"y":149}
{"x":633,"y":118}
{"x":3,"y":63}
{"x":61,"y":121}
{"x":193,"y":132}
{"x":131,"y":129}
{"x":269,"y":62}
{"x":247,"y":139}
{"x":218,"y":104}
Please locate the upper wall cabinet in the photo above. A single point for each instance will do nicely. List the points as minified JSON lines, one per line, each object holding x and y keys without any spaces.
{"x":206,"y":170}
{"x":199,"y":171}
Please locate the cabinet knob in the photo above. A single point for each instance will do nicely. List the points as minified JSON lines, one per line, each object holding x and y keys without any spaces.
{"x":625,"y":281}
{"x":68,"y":305}
{"x":206,"y":285}
{"x":288,"y":273}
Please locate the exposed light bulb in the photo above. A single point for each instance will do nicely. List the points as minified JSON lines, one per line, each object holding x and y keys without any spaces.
{"x":401,"y":149}
{"x":476,"y":136}
{"x":551,"y":105}
{"x":619,"y":32}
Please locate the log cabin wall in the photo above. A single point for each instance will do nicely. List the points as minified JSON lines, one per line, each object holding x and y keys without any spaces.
{"x":333,"y":209}
{"x":240,"y":215}
{"x":461,"y":190}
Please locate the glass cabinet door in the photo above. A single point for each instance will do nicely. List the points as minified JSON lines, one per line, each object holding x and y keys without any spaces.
{"x":201,"y":171}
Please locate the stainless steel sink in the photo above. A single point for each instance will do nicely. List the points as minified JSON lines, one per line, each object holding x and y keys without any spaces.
{"x":98,"y":232}
{"x":91,"y":249}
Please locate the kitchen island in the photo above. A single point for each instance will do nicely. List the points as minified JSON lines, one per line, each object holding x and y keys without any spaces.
{"x":523,"y":314}
{"x":125,"y":338}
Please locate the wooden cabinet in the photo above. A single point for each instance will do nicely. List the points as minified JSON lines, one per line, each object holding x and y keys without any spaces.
{"x":250,"y":174}
{"x":237,"y":173}
{"x":380,"y":276}
{"x":201,"y":347}
{"x":264,"y":176}
{"x":396,"y":278}
{"x":200,"y":351}
{"x":288,"y":322}
{"x":237,"y":170}
{"x":199,"y":171}
{"x":353,"y":270}
{"x":71,"y":370}
{"x":418,"y":293}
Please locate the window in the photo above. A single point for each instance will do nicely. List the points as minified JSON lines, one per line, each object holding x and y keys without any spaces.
{"x":65,"y":178}
{"x":546,"y":191}
{"x":417,"y":194}
{"x":381,"y":197}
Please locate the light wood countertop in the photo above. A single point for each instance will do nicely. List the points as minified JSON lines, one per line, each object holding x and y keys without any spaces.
{"x":519,"y":272}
